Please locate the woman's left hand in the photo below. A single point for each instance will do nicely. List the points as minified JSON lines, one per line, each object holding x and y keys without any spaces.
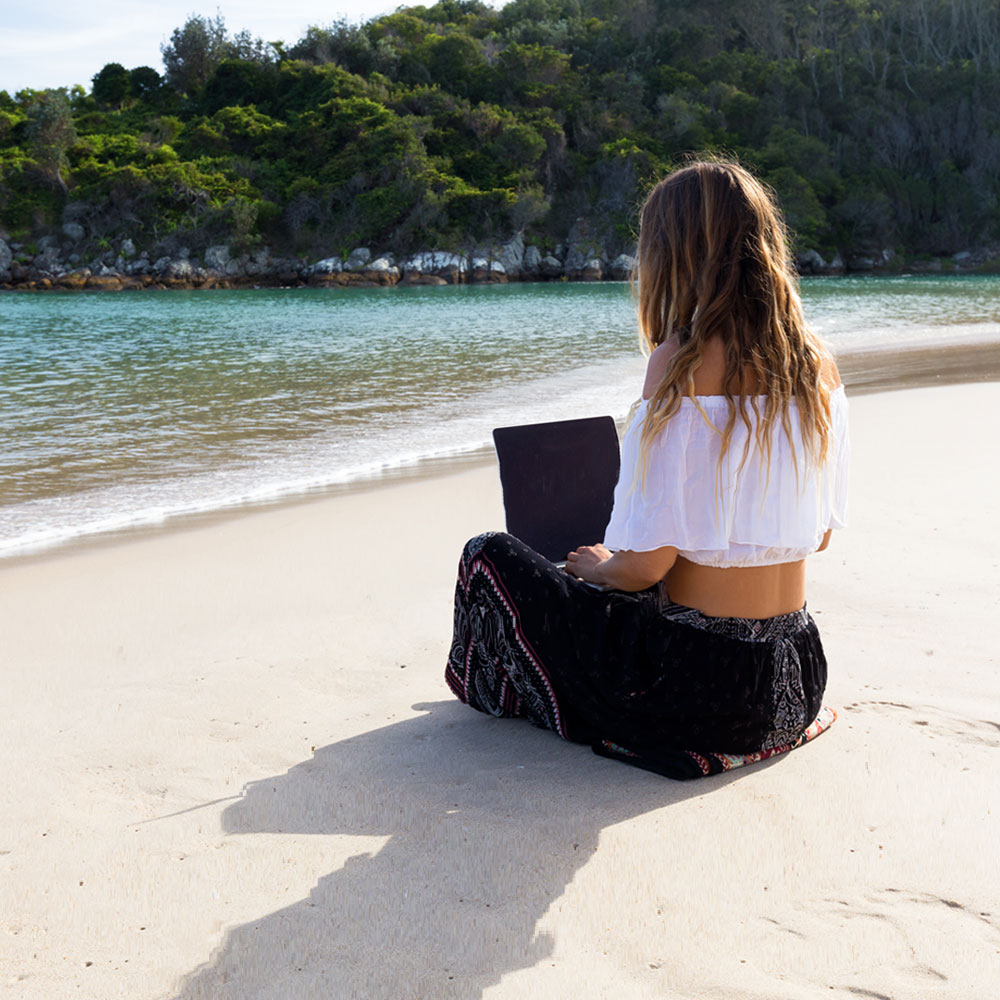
{"x":585,"y":562}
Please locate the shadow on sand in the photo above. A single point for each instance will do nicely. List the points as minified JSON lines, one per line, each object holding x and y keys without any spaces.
{"x":488,"y":821}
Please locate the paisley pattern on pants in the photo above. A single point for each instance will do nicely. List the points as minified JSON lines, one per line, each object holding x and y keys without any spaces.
{"x":643,"y":680}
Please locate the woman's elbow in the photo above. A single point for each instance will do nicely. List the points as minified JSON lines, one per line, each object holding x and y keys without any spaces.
{"x":649,"y":568}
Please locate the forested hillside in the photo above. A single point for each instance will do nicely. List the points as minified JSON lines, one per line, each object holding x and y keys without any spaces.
{"x":877,"y":123}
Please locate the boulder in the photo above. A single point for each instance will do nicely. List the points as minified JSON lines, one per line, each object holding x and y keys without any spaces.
{"x":75,"y":279}
{"x":836,"y":265}
{"x":860,"y":262}
{"x":810,"y":262}
{"x":6,"y":259}
{"x":485,"y":270}
{"x":583,"y":248}
{"x":105,"y":282}
{"x":258,"y":261}
{"x":382,"y":271}
{"x":621,"y":267}
{"x":592,"y":270}
{"x":452,"y":267}
{"x":217,"y":257}
{"x":328,"y":265}
{"x":532,"y":258}
{"x":74,"y":231}
{"x":550,"y":267}
{"x":180,"y":270}
{"x":358,"y":258}
{"x":962,"y":256}
{"x":511,"y":256}
{"x":415,"y":278}
{"x":161,"y":264}
{"x":127,"y":249}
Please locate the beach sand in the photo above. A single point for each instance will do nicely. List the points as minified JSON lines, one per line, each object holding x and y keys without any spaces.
{"x":233,"y":769}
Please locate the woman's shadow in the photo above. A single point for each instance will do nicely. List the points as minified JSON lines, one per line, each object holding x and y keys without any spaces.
{"x":488,"y":821}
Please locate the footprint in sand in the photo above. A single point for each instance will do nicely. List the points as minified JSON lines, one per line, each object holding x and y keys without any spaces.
{"x":892,"y":943}
{"x":976,"y":731}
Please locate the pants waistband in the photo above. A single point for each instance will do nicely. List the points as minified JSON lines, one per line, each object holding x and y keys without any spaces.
{"x":747,"y":629}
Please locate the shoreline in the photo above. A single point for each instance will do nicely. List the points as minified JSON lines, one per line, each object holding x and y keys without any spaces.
{"x":234,"y":768}
{"x":864,"y":371}
{"x":429,"y":268}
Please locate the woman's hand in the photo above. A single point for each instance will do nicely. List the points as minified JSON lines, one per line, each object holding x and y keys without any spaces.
{"x":623,"y":570}
{"x":585,"y":562}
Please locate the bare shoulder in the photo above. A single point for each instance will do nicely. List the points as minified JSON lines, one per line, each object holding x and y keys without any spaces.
{"x":708,"y":376}
{"x":828,"y":371}
{"x":657,"y":366}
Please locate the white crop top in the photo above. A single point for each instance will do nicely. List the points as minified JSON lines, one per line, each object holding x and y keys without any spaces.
{"x":726,"y":516}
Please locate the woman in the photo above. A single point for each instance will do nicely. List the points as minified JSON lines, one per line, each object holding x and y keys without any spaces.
{"x":682,"y":644}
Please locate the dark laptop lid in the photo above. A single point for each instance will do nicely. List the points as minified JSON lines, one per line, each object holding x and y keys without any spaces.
{"x":558,"y":482}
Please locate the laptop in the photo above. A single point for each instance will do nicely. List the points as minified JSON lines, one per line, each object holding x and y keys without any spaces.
{"x":558,"y":481}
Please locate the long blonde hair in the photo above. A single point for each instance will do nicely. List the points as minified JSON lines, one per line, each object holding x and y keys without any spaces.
{"x":713,"y":261}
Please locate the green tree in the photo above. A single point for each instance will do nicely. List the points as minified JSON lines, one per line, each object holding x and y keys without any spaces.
{"x":193,"y":52}
{"x":144,"y":82}
{"x":51,"y":132}
{"x":111,"y":85}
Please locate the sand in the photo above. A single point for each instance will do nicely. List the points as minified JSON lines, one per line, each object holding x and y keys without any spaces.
{"x":232,"y":768}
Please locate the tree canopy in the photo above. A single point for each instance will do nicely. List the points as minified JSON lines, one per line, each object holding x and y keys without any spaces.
{"x":875,"y":121}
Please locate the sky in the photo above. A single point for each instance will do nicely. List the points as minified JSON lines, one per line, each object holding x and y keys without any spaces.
{"x":58,"y":43}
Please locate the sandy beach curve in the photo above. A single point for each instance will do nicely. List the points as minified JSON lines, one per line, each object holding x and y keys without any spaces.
{"x":233,"y":769}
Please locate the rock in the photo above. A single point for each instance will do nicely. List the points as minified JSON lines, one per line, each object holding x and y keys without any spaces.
{"x":217,"y":257}
{"x":382,"y":271}
{"x":962,"y":255}
{"x":592,"y":270}
{"x":74,"y":258}
{"x":511,"y":255}
{"x":161,"y":264}
{"x":104,"y":282}
{"x":258,"y":261}
{"x":127,"y":249}
{"x":810,"y":262}
{"x":450,"y":266}
{"x":358,"y":259}
{"x":75,"y":279}
{"x":859,"y":262}
{"x":532,"y":258}
{"x":323,"y":272}
{"x":6,"y":259}
{"x":550,"y":267}
{"x":485,"y":270}
{"x":180,"y":270}
{"x":836,"y":265}
{"x":559,"y":252}
{"x":622,"y":266}
{"x":74,"y":231}
{"x":184,"y":253}
{"x":48,"y":243}
{"x":583,"y":248}
{"x":414,"y":278}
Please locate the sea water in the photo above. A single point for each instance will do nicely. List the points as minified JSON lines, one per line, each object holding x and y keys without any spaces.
{"x":128,"y":409}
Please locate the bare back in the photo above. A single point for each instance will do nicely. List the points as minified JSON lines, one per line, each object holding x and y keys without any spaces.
{"x":743,"y":592}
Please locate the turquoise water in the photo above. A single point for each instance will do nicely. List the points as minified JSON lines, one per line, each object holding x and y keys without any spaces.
{"x":128,"y":409}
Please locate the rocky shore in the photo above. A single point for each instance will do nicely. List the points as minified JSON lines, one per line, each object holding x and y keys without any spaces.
{"x":54,"y":264}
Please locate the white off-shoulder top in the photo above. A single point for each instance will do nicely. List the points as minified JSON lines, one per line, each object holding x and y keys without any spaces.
{"x":724,"y":515}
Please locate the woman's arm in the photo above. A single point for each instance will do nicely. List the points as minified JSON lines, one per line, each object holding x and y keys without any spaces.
{"x":623,"y":570}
